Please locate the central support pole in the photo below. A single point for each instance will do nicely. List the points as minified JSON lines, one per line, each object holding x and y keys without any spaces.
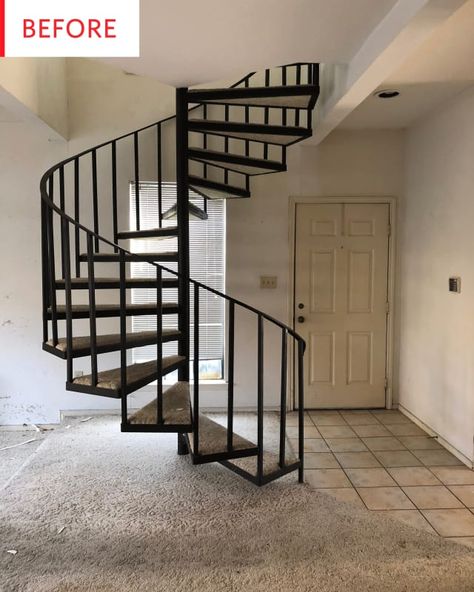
{"x":182,"y":205}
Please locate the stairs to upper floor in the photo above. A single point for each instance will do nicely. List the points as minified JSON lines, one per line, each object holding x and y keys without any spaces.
{"x":223,"y":138}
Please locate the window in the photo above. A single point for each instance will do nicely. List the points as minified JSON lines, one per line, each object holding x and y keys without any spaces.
{"x":207,"y":265}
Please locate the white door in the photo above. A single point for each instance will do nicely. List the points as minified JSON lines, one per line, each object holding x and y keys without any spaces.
{"x":341,"y":304}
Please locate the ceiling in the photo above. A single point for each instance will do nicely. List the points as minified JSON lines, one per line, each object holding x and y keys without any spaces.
{"x":186,"y":43}
{"x":442,"y":67}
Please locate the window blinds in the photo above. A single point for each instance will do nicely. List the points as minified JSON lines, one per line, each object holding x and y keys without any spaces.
{"x":207,"y":265}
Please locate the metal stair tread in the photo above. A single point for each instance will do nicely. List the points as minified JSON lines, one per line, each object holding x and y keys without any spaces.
{"x":112,"y":342}
{"x":137,"y":375}
{"x":224,"y":188}
{"x":104,"y":310}
{"x":113,"y":283}
{"x":213,"y":438}
{"x":300,"y":96}
{"x":176,"y":408}
{"x":166,"y":232}
{"x":113,"y":257}
{"x":258,"y":132}
{"x":271,"y":463}
{"x":236,"y":162}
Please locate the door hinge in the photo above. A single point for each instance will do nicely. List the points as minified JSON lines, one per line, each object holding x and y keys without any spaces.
{"x":389,"y":230}
{"x":387,"y":307}
{"x":386,"y":383}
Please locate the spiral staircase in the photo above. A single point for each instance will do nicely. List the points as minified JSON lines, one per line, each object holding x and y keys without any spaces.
{"x":222,"y":138}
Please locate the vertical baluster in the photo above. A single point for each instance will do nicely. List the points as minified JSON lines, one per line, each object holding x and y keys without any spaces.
{"x":159,"y":163}
{"x":159,"y":345}
{"x":52,"y":265}
{"x":95,"y":199}
{"x":298,"y":82}
{"x":62,"y":205}
{"x":301,"y":346}
{"x":226,"y":142}
{"x":284,"y":79}
{"x":92,"y":309}
{"x":266,"y":114}
{"x":247,"y":120}
{"x":68,"y":299}
{"x":77,"y":217}
{"x":260,"y":399}
{"x":137,"y":179}
{"x":123,"y":339}
{"x":196,"y":372}
{"x":44,"y":268}
{"x":230,"y":377}
{"x":283,"y":386}
{"x":114,"y":193}
{"x":204,"y":140}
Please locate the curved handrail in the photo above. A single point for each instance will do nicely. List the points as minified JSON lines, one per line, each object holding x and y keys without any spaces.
{"x":48,"y":175}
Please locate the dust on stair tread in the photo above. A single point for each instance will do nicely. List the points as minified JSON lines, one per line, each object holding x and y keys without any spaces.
{"x":84,"y":342}
{"x":213,"y":438}
{"x":176,"y":408}
{"x":136,"y":373}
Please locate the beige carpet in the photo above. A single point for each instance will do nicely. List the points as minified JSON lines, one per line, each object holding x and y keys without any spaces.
{"x":139,"y":518}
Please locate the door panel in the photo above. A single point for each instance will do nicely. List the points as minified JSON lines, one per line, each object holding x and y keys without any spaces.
{"x":341,"y":294}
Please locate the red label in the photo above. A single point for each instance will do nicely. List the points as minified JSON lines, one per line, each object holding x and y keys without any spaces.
{"x":2,"y":28}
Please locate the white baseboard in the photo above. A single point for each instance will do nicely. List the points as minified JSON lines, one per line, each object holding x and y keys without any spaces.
{"x":462,"y":457}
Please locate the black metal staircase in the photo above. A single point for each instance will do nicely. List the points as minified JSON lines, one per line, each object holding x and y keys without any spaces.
{"x":223,"y":137}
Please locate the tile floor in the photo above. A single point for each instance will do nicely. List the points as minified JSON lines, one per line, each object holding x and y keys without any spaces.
{"x":382,"y":461}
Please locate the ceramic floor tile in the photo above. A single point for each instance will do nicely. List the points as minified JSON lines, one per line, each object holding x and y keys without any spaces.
{"x":377,"y":477}
{"x":420,"y":443}
{"x":292,"y":420}
{"x":370,"y":431}
{"x":346,"y":494}
{"x":412,"y":518}
{"x":346,"y":445}
{"x":336,"y":431}
{"x":359,"y":419}
{"x":320,"y":460}
{"x":451,"y":523}
{"x":397,"y":458}
{"x":405,"y":429}
{"x":357,"y":460}
{"x":328,"y":420}
{"x":311,"y":445}
{"x":383,"y":443}
{"x":436,"y":457}
{"x":385,"y":498}
{"x":431,"y":497}
{"x":465,"y":493}
{"x":454,"y":475}
{"x":309,"y":432}
{"x":391,"y":417}
{"x":406,"y":476}
{"x":323,"y":478}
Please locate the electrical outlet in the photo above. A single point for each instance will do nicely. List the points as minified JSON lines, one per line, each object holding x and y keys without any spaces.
{"x":268,"y":282}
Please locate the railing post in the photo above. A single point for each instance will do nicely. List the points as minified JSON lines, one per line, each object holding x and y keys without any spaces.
{"x":123,"y":339}
{"x":92,"y":309}
{"x":159,"y":174}
{"x":95,"y":199}
{"x":136,"y":158}
{"x":230,"y":378}
{"x":260,"y":399}
{"x":114,"y":193}
{"x":68,"y":298}
{"x":52,"y":265}
{"x":283,"y":386}
{"x":301,"y":347}
{"x":182,"y":205}
{"x":196,"y":372}
{"x":77,"y":214}
{"x":159,"y":345}
{"x":45,"y":268}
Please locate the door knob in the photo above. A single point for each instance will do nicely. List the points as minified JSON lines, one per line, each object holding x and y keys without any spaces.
{"x":300,"y":319}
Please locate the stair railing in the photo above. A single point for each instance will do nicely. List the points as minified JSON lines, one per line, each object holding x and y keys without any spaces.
{"x":63,"y":209}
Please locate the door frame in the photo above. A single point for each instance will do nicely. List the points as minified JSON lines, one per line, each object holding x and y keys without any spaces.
{"x":391,"y":201}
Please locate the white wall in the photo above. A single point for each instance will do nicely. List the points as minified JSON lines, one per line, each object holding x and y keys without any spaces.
{"x":39,"y":85}
{"x":436,"y":242}
{"x":345,"y":164}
